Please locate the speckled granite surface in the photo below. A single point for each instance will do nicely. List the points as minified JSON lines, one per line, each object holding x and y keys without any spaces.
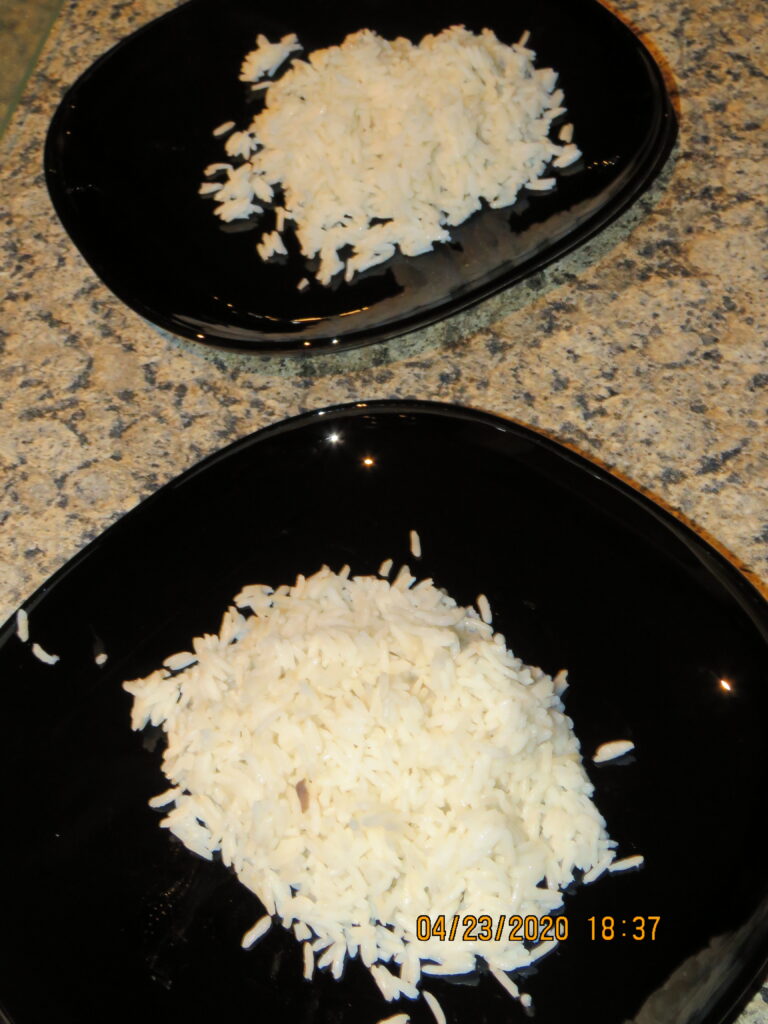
{"x":24,"y":25}
{"x":646,"y":349}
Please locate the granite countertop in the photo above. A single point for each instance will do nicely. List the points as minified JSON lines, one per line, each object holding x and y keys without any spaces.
{"x":646,"y":349}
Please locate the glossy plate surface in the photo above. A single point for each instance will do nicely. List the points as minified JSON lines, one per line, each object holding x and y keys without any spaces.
{"x":108,"y":918}
{"x":127,"y":147}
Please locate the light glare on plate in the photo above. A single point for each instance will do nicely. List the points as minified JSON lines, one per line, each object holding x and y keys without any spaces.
{"x":334,"y":438}
{"x":368,"y":461}
{"x":725,"y":685}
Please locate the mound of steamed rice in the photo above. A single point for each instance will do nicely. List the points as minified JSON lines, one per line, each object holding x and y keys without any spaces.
{"x":381,"y":145}
{"x":364,"y":752}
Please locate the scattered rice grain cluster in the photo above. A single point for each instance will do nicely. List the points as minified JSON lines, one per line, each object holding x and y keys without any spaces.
{"x":363,"y":752}
{"x":375,"y":146}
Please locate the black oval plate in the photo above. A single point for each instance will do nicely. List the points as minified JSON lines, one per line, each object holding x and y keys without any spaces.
{"x":127,"y":147}
{"x":108,"y":918}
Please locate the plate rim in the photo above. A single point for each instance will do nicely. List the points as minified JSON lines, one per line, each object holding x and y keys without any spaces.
{"x":716,"y":561}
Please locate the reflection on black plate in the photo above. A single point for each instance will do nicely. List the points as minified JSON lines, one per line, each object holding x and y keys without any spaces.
{"x":108,"y":918}
{"x":126,"y":149}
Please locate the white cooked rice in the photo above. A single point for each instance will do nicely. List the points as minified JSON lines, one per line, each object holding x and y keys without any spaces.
{"x":22,"y":626}
{"x":212,"y":169}
{"x":163,"y":799}
{"x":43,"y":655}
{"x":628,"y":863}
{"x":596,"y":871}
{"x":415,"y":542}
{"x":270,"y":244}
{"x":506,"y":983}
{"x":435,"y":1007}
{"x":308,"y":961}
{"x":450,"y":968}
{"x":364,"y":752}
{"x":209,"y":188}
{"x":541,"y":185}
{"x":258,"y":931}
{"x":224,"y":129}
{"x":176,"y":662}
{"x":611,"y":750}
{"x":417,"y":138}
{"x":484,"y":607}
{"x":267,"y":57}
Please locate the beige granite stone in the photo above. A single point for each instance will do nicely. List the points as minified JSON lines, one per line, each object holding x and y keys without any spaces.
{"x":646,"y":349}
{"x":24,"y":25}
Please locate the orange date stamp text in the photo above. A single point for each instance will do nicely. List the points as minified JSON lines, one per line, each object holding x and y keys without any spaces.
{"x":488,"y":928}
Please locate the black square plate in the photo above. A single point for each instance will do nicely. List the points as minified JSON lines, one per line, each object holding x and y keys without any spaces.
{"x":128,"y":145}
{"x":107,"y":918}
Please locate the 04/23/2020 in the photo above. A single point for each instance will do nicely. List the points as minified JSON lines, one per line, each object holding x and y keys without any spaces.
{"x":487,"y":928}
